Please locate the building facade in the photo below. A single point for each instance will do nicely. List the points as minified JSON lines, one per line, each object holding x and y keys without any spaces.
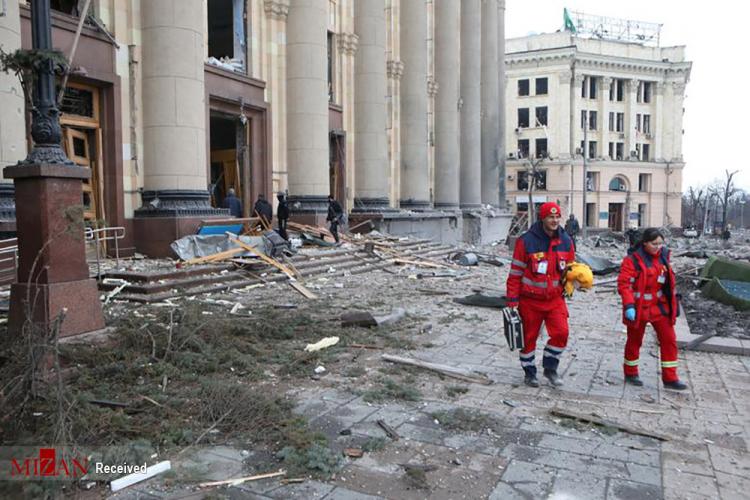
{"x":618,"y":104}
{"x":380,"y":103}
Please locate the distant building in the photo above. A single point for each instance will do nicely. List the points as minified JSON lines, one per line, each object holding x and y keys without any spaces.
{"x":630,"y":98}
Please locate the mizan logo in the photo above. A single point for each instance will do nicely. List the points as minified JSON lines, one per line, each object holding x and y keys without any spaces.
{"x":48,"y":465}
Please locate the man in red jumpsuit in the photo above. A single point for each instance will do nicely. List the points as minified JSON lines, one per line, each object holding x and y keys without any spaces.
{"x":535,"y":286}
{"x":647,"y":287}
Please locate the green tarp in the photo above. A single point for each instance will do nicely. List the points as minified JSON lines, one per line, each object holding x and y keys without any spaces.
{"x":730,"y":282}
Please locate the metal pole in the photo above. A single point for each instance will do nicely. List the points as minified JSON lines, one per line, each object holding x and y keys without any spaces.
{"x":45,"y":124}
{"x":584,"y":231}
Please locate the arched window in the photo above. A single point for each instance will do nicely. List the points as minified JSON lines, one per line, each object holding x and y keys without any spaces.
{"x":618,"y":184}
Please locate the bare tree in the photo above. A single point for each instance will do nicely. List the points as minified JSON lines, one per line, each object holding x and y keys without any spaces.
{"x":693,"y":202}
{"x":533,"y":178}
{"x":727,"y":195}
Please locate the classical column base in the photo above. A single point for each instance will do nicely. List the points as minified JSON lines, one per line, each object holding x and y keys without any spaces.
{"x":52,"y":268}
{"x":470,"y":206}
{"x":169,"y":214}
{"x":447,"y":207}
{"x":372,"y":205}
{"x":416,"y":205}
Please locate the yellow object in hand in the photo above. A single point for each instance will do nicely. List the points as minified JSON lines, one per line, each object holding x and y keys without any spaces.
{"x":578,"y":276}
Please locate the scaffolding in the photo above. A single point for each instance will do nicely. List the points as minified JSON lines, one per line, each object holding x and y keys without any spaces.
{"x":612,"y":28}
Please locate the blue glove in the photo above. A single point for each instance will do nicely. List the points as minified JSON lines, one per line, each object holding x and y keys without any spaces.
{"x":630,"y":313}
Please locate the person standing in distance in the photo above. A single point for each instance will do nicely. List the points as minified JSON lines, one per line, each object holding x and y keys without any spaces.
{"x":335,"y":214}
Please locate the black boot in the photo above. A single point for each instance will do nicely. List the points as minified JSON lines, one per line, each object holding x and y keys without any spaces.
{"x":530,"y":380}
{"x":633,"y":380}
{"x":553,"y":377}
{"x":675,"y":385}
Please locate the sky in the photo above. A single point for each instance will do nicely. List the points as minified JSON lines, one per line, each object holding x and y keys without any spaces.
{"x":717,"y":103}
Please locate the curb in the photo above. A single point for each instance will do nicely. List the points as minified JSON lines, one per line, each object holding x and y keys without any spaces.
{"x":723,"y":345}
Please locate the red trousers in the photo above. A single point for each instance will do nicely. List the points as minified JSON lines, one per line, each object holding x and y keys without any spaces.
{"x":667,"y":344}
{"x":554,"y":314}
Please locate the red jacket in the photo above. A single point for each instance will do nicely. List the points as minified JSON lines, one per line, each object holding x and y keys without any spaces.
{"x":648,"y":283}
{"x":539,"y":264}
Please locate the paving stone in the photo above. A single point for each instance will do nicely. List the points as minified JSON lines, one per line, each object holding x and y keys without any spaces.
{"x":569,"y":444}
{"x":683,"y":485}
{"x":568,"y":461}
{"x":422,"y":434}
{"x":309,"y":490}
{"x":729,"y":461}
{"x":531,"y":480}
{"x":644,"y":474}
{"x":204,"y":465}
{"x":579,"y":487}
{"x":340,"y":493}
{"x":619,"y":489}
{"x":733,"y":487}
{"x":504,"y":491}
{"x":625,"y":454}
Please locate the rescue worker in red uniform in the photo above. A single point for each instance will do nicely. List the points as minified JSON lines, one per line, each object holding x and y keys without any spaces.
{"x":647,"y":287}
{"x":535,"y":286}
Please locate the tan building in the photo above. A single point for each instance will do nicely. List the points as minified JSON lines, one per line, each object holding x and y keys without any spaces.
{"x":378,"y":102}
{"x":628,"y":96}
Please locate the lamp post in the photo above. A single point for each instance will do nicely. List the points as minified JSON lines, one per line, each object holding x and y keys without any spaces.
{"x":53,"y":276}
{"x":584,"y":230}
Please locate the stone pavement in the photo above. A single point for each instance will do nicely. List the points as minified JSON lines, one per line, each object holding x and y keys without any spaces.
{"x":525,"y":453}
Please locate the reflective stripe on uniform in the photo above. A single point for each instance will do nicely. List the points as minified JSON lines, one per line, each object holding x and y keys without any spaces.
{"x":551,"y":351}
{"x":516,"y":272}
{"x":632,"y":280}
{"x":527,"y":281}
{"x":631,"y":363}
{"x":526,"y":356}
{"x":669,"y":364}
{"x":519,"y":263}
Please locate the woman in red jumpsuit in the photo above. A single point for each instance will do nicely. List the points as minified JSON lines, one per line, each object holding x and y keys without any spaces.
{"x":647,"y":287}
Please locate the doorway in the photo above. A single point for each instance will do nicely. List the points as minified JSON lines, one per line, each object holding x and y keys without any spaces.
{"x":616,"y":216}
{"x":227,"y":141}
{"x":337,"y":165}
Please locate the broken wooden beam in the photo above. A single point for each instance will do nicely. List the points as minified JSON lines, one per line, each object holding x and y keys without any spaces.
{"x":302,"y":289}
{"x":235,"y":482}
{"x":226,"y":254}
{"x":448,"y":371}
{"x":263,"y":257}
{"x":389,"y":431}
{"x":595,"y":419}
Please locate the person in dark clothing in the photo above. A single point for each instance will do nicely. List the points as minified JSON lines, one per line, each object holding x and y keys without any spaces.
{"x":233,"y":203}
{"x":572,"y":227}
{"x":282,"y":213}
{"x":634,"y":237}
{"x":264,"y":210}
{"x":335,"y":214}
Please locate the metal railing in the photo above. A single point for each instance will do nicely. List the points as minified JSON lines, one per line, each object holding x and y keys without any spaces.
{"x":8,"y":261}
{"x":103,"y":235}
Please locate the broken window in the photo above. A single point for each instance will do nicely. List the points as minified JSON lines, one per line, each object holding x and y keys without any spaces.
{"x":616,"y":90}
{"x":540,"y":148}
{"x":646,"y":124}
{"x":523,"y":180}
{"x":66,"y":6}
{"x":523,"y":117}
{"x":541,"y":86}
{"x":592,"y":149}
{"x":541,"y":116}
{"x":611,"y":150}
{"x":592,"y":181}
{"x":583,"y":119}
{"x":611,"y":121}
{"x":523,"y":148}
{"x":638,"y":151}
{"x":585,"y":87}
{"x":620,"y":90}
{"x":226,"y":34}
{"x":620,"y":125}
{"x":646,"y":92}
{"x":645,"y":152}
{"x":523,"y":87}
{"x":642,"y":207}
{"x":620,"y":151}
{"x":638,"y":122}
{"x":592,"y":120}
{"x":331,"y":96}
{"x":644,"y":182}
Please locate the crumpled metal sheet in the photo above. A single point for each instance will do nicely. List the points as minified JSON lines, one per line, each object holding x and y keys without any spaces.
{"x":195,"y":245}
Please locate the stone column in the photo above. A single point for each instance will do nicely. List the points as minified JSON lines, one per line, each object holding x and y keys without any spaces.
{"x":604,"y":108}
{"x":490,"y":116}
{"x":576,"y":106}
{"x":447,"y":143}
{"x":560,"y":136}
{"x":471,"y":59}
{"x":657,"y":122}
{"x":678,"y":89}
{"x":12,"y":118}
{"x":276,"y":12}
{"x":630,"y":135}
{"x":415,"y":174}
{"x":370,"y":89}
{"x":502,"y":148}
{"x":307,"y":104}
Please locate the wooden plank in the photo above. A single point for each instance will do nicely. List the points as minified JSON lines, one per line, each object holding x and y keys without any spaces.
{"x":594,"y":419}
{"x":263,"y":257}
{"x":214,"y":257}
{"x":302,"y":289}
{"x":449,"y":371}
{"x":419,"y":263}
{"x":235,"y":482}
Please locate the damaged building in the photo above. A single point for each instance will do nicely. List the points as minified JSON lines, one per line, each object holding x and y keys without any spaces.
{"x":610,"y":97}
{"x":171,"y":103}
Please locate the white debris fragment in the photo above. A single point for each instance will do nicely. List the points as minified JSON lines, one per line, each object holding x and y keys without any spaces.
{"x":322,"y":344}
